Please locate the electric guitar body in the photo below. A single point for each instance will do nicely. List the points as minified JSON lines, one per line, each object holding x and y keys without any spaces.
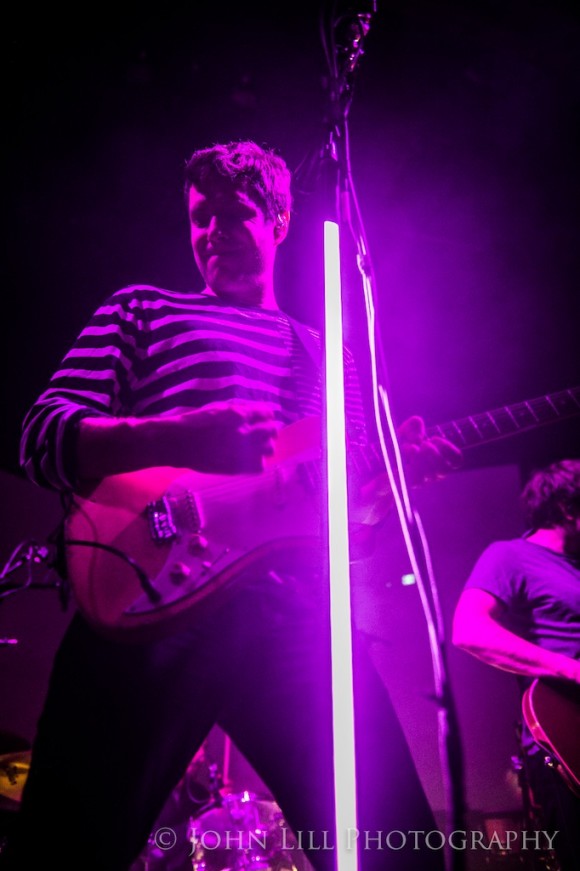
{"x":146,"y":548}
{"x":551,"y":710}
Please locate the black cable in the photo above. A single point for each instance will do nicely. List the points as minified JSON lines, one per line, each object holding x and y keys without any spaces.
{"x":148,"y":588}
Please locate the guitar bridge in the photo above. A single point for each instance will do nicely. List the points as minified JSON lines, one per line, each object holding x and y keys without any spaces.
{"x":161,"y":523}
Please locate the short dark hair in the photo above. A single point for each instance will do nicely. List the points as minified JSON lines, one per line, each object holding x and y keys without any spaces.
{"x":552,"y":494}
{"x":259,"y":172}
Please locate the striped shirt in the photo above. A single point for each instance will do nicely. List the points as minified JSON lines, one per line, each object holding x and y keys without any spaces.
{"x":148,"y":351}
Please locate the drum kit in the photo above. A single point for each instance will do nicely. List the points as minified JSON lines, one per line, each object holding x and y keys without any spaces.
{"x":241,"y":832}
{"x":211,"y":828}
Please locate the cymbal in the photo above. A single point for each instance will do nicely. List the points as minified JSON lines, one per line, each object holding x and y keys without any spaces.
{"x":14,"y":768}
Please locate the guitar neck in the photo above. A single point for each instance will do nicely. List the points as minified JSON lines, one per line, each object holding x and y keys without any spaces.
{"x":510,"y":419}
{"x":489,"y":426}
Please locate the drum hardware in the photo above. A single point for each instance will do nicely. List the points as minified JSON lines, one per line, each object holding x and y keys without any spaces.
{"x":241,"y":832}
{"x":212,"y":828}
{"x":216,"y":784}
{"x":25,"y":560}
{"x":14,"y":769}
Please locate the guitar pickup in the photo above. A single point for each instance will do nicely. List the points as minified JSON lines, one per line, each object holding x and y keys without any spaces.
{"x":161,"y":523}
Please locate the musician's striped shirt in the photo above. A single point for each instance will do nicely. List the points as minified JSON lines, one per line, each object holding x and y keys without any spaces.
{"x":148,"y":351}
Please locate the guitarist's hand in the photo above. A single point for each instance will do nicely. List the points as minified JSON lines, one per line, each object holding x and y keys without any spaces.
{"x":227,"y":437}
{"x":426,"y":459}
{"x":220,"y":438}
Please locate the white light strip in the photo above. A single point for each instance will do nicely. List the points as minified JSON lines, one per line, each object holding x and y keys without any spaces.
{"x":339,"y":563}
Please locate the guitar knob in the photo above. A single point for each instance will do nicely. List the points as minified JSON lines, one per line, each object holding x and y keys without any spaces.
{"x":179,"y":572}
{"x":197,"y":543}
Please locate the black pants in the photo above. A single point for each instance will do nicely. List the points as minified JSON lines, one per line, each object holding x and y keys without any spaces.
{"x":122,"y":721}
{"x":559,"y":809}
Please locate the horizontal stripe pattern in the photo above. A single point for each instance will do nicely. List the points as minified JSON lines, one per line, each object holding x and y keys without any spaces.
{"x":148,"y":351}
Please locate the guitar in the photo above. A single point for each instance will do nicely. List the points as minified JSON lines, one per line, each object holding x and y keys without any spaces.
{"x":551,"y":710}
{"x":143,"y":550}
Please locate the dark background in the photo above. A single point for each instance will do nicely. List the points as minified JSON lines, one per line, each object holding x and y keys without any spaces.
{"x":464,"y":128}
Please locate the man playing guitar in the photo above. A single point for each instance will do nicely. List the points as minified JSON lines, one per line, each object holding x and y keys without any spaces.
{"x":211,"y":381}
{"x":520,"y":611}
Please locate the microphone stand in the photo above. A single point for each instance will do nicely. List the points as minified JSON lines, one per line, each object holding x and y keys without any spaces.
{"x":344,"y":48}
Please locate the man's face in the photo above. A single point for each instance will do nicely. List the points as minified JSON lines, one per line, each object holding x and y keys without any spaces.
{"x":233,"y":242}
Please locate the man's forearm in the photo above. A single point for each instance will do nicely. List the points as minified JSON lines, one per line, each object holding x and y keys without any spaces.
{"x":108,"y":446}
{"x":492,"y":643}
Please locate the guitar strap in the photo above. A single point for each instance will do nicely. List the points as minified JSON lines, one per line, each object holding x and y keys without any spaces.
{"x":305,"y":374}
{"x":315,"y":353}
{"x":307,"y":340}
